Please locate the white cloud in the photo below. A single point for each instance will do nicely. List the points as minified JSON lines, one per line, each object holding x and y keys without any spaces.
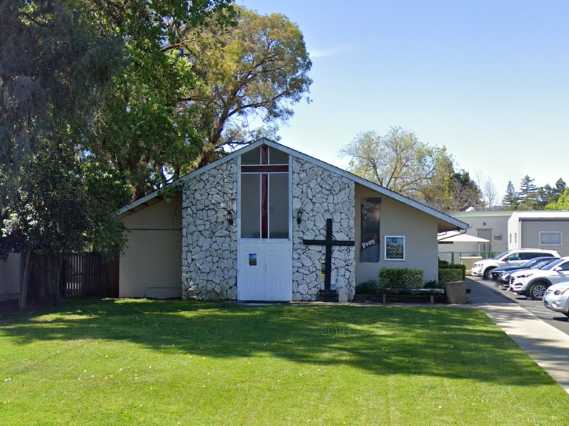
{"x":327,"y":52}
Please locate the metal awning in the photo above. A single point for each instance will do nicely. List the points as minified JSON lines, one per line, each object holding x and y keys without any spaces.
{"x":459,"y":237}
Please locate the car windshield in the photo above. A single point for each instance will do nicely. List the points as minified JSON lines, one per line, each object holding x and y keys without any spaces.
{"x":552,"y":264}
{"x":540,"y":264}
{"x":499,"y":256}
{"x":534,"y":263}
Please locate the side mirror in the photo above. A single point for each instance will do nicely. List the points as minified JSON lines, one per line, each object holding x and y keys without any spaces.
{"x":558,"y":268}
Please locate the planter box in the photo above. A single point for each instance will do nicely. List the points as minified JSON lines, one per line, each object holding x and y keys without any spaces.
{"x":456,"y":292}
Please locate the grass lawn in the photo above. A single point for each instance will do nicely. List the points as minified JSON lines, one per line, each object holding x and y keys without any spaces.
{"x":149,"y":362}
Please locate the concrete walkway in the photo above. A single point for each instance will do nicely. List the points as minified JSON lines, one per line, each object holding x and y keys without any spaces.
{"x":547,"y":345}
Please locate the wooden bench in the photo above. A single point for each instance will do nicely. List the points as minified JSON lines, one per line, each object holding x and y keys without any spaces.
{"x":431,"y":293}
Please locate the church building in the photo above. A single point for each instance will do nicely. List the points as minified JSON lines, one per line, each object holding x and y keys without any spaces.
{"x":269,"y":223}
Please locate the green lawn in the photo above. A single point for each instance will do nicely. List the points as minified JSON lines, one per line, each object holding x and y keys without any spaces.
{"x":143,"y":362}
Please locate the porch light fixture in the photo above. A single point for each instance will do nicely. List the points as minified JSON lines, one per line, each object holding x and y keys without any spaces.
{"x":230,"y":216}
{"x":299,"y":213}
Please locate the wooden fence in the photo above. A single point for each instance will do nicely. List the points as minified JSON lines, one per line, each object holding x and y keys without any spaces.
{"x":81,"y":275}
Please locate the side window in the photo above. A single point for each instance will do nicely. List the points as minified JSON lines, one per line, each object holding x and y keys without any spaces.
{"x":530,"y":255}
{"x":513,"y":257}
{"x":565,"y":266}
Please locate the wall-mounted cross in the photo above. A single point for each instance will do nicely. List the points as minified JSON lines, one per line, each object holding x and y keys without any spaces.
{"x":329,"y":242}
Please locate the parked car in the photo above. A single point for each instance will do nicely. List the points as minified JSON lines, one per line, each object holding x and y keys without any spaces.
{"x":534,"y":282}
{"x":557,"y":298}
{"x":483,"y":268}
{"x":515,"y":276}
{"x":502,"y":273}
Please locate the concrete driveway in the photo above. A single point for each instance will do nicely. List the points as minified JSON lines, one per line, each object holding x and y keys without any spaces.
{"x":536,"y":307}
{"x":546,"y":343}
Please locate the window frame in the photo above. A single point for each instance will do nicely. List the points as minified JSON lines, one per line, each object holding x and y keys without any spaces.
{"x":562,"y":267}
{"x":515,"y":253}
{"x":541,"y":243}
{"x":239,"y":221}
{"x":361,"y":214}
{"x":404,"y":238}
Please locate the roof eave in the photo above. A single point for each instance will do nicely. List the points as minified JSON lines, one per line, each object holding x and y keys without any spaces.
{"x":441,"y":216}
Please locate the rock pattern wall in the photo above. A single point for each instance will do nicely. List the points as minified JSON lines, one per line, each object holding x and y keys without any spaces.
{"x":209,"y":242}
{"x":320,"y":195}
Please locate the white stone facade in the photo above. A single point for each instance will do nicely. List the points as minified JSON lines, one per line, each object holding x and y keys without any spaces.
{"x":209,"y":242}
{"x":321,"y":194}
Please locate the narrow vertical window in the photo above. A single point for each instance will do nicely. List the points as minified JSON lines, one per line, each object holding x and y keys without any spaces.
{"x":250,"y":206}
{"x":264,"y":193}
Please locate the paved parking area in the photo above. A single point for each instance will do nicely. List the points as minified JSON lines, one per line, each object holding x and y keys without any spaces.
{"x":545,"y":340}
{"x":536,"y":307}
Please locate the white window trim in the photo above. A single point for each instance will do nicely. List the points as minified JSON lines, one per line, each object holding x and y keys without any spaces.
{"x":404,"y":248}
{"x":548,"y":244}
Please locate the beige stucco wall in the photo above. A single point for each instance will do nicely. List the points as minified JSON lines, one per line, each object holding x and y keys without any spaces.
{"x":10,"y":277}
{"x":530,"y":234}
{"x":396,"y":218}
{"x":151,"y":263}
{"x":496,"y":221}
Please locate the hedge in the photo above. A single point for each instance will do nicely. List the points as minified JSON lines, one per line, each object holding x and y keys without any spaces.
{"x":400,"y":278}
{"x":447,"y":275}
{"x":446,"y":265}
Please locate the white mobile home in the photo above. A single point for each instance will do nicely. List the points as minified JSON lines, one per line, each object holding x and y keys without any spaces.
{"x":539,"y":229}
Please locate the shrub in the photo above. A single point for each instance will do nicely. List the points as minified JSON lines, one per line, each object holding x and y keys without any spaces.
{"x":367,"y":287}
{"x":445,"y":265}
{"x":447,"y":275}
{"x":400,"y":278}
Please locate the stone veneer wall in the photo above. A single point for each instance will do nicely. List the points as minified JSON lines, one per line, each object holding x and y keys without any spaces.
{"x":321,"y":195}
{"x":209,"y":243}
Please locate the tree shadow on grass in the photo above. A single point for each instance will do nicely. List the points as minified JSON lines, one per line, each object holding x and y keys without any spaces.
{"x":442,"y":342}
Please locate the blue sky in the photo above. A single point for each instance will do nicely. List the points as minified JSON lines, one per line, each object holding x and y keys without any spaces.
{"x":487,"y":79}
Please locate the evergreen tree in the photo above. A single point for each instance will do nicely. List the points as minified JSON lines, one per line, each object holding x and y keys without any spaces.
{"x":511,"y":199}
{"x":560,"y":187}
{"x":529,"y":194}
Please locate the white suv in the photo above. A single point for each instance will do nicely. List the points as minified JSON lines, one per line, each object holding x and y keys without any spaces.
{"x":483,"y":268}
{"x":557,"y":298}
{"x":535,"y":282}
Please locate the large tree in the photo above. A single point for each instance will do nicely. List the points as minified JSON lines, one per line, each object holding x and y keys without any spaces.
{"x":401,"y":162}
{"x":511,"y":199}
{"x":398,"y":160}
{"x":529,"y":194}
{"x":55,"y":197}
{"x":250,"y":74}
{"x":143,"y":126}
{"x":62,"y":61}
{"x":187,"y":97}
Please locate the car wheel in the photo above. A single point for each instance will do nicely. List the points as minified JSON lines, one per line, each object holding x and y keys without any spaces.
{"x":487,"y":273}
{"x":537,"y":290}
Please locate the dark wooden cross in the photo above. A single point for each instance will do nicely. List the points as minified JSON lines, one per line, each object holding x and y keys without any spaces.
{"x":329,"y":242}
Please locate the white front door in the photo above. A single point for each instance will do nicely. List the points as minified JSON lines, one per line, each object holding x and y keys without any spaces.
{"x":265,"y":245}
{"x":265,"y":270}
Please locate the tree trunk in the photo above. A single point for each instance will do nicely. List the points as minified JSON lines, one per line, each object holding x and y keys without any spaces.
{"x":25,"y":258}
